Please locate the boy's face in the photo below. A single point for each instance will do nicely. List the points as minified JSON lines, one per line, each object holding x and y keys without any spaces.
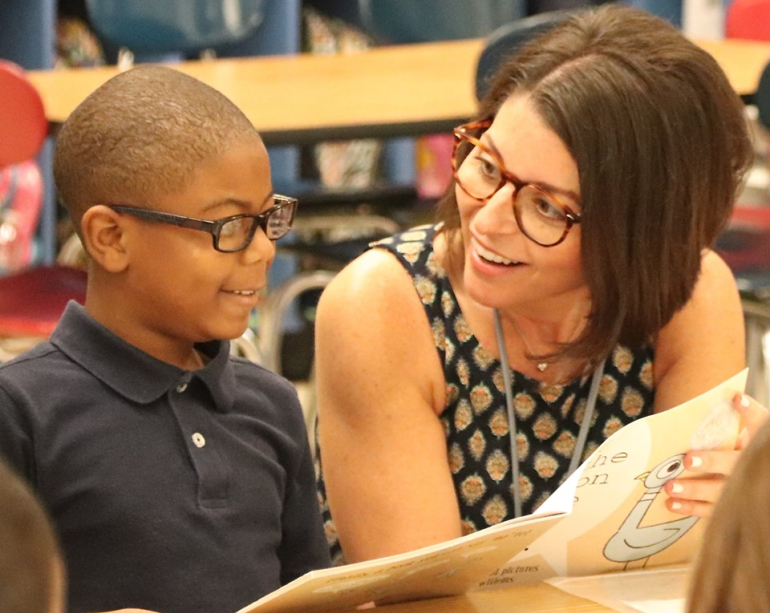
{"x":182,"y":289}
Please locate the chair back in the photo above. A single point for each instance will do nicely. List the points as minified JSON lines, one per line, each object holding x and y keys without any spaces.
{"x":32,"y":301}
{"x":165,"y":26}
{"x":506,"y":39}
{"x":748,"y":19}
{"x":761,"y":98}
{"x":407,"y":21}
{"x":23,"y":126}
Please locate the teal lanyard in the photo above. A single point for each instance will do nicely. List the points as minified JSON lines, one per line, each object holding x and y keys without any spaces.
{"x":584,"y":426}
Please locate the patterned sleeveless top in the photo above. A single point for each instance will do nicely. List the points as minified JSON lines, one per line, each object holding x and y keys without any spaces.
{"x":548,"y":417}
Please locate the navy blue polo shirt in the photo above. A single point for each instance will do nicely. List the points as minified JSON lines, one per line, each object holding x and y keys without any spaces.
{"x":173,"y":491}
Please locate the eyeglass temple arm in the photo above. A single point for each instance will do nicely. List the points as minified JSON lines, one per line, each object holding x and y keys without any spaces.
{"x":176,"y":220}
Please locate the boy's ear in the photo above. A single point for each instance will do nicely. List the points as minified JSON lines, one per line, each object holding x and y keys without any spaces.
{"x":104,"y":238}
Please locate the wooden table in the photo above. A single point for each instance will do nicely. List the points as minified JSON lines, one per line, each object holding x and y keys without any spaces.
{"x":400,"y":90}
{"x":541,"y":598}
{"x":387,"y":91}
{"x":742,"y":61}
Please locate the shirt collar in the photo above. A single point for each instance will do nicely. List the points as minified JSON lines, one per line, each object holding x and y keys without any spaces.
{"x":131,"y":372}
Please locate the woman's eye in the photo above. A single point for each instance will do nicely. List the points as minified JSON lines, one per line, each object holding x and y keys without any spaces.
{"x":488,"y":168}
{"x":547,"y":208}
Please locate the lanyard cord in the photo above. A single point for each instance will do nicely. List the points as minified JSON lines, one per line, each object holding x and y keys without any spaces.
{"x":584,"y":426}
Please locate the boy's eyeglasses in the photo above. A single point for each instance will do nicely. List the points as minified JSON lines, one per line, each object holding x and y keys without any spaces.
{"x":480,"y":173}
{"x":230,"y":234}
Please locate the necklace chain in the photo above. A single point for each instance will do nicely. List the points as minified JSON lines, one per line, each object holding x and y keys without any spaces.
{"x":541,"y":366}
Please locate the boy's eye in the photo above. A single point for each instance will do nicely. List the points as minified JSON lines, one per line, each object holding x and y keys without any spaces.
{"x":233,"y":227}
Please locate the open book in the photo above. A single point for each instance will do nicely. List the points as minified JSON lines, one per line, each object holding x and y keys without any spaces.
{"x":608,"y":516}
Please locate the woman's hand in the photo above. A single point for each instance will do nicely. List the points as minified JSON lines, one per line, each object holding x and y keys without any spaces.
{"x":697,"y":495}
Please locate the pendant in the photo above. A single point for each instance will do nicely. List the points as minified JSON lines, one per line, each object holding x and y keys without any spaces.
{"x":541,"y":366}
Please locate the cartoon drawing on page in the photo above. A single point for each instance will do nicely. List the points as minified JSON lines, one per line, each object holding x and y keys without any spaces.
{"x":634,"y":542}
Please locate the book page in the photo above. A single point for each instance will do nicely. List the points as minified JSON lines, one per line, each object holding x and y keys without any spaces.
{"x":445,"y":569}
{"x":619,"y":521}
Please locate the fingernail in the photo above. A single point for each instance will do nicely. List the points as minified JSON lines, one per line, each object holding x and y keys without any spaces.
{"x":676,"y":506}
{"x":676,"y":488}
{"x":745,"y":401}
{"x":696,"y":461}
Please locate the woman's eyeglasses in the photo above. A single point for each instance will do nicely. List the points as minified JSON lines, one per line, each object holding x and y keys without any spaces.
{"x":480,"y":173}
{"x":230,"y":234}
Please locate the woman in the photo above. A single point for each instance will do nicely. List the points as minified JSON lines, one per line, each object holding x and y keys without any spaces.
{"x":573,"y":253}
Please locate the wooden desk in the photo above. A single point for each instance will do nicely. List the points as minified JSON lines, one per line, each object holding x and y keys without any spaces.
{"x":387,"y":91}
{"x":742,"y":61}
{"x":541,"y":598}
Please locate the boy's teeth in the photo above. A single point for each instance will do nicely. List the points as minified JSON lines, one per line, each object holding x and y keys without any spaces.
{"x":492,"y":257}
{"x":243,"y":292}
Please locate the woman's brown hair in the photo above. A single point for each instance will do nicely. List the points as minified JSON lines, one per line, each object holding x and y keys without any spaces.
{"x":661,"y":145}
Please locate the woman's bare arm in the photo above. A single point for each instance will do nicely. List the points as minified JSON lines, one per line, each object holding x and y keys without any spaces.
{"x":380,"y":390}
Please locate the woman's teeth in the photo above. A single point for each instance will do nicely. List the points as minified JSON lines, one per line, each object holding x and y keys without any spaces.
{"x":493,"y":257}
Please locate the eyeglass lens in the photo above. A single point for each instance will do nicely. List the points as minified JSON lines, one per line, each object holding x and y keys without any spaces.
{"x":238,"y":232}
{"x":479,"y":174}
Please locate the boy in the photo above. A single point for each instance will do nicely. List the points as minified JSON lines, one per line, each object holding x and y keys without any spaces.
{"x":179,"y":478}
{"x":31,"y":569}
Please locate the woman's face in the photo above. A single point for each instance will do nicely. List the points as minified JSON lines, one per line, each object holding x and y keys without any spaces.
{"x":503,"y":268}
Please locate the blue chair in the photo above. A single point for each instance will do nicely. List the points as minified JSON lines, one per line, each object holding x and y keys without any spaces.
{"x":156,"y":27}
{"x":506,"y":39}
{"x":410,"y":21}
{"x":406,"y":21}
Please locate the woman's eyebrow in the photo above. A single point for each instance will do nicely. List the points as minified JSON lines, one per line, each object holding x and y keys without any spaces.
{"x":554,"y":189}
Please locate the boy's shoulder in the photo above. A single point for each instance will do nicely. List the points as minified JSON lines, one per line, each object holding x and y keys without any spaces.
{"x":32,"y":360}
{"x":253,"y":375}
{"x":248,"y":368}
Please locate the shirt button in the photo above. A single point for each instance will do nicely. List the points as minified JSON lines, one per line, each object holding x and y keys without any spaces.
{"x":198,"y":440}
{"x":181,"y":387}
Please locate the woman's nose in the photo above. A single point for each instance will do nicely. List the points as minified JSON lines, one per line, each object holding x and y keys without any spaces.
{"x":496,"y":214}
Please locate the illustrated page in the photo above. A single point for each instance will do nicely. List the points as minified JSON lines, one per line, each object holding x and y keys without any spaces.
{"x":619,"y":520}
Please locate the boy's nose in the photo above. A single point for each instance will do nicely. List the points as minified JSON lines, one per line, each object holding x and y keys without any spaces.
{"x":260,"y":248}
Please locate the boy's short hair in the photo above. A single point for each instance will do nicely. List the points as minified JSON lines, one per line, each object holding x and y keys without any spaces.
{"x":141,"y":135}
{"x":30,"y":562}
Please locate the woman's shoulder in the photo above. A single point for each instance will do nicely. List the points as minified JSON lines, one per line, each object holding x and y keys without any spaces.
{"x":414,"y":249}
{"x":386,"y":272}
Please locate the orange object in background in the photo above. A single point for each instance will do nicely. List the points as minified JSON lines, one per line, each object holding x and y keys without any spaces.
{"x":31,"y":299}
{"x":23,"y":126}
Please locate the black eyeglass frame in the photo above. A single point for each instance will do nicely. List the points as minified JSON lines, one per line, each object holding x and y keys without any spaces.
{"x":215,"y":227}
{"x":461,"y":135}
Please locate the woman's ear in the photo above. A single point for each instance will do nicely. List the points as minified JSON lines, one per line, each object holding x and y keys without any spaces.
{"x":104,"y":238}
